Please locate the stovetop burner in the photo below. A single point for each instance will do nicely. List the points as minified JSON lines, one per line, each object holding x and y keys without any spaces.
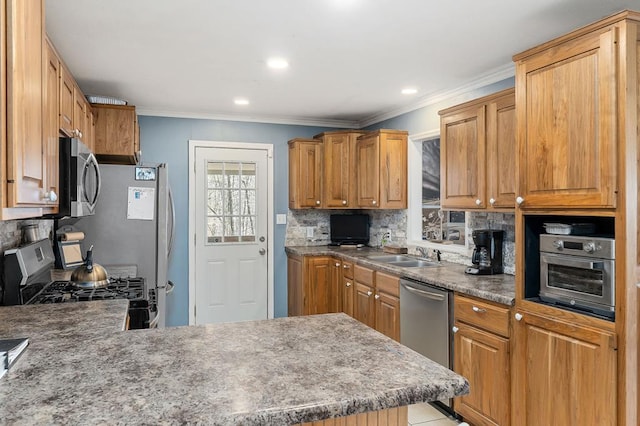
{"x":65,"y":291}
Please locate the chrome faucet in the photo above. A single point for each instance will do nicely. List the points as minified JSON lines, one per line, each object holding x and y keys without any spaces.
{"x":422,"y":252}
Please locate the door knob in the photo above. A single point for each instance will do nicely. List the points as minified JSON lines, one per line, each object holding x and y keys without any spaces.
{"x":262,"y":251}
{"x":262,"y":239}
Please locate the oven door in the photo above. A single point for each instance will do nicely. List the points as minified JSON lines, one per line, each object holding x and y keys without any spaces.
{"x":85,"y":180}
{"x":578,"y":281}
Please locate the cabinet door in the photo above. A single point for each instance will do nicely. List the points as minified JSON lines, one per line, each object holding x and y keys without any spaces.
{"x":25,"y":147}
{"x":393,"y":171}
{"x":295,"y":289}
{"x":462,"y":159}
{"x":566,"y":106}
{"x":335,"y":286}
{"x":501,"y":152}
{"x":305,"y":174}
{"x":387,"y":316}
{"x":66,"y":101}
{"x":483,"y":358}
{"x":79,"y":112}
{"x":88,"y":127}
{"x":368,"y":179}
{"x":364,"y":304}
{"x":564,"y":374}
{"x":337,"y":170}
{"x":348,"y":291}
{"x":321,"y":294}
{"x":50,"y":132}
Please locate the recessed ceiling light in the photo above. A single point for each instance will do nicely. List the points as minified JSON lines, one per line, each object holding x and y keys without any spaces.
{"x":277,"y":63}
{"x":241,"y":101}
{"x":409,"y":91}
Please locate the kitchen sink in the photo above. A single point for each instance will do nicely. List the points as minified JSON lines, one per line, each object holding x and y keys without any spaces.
{"x":403,"y":261}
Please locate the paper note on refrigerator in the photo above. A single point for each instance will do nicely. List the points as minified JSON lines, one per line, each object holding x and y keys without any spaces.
{"x":141,"y":203}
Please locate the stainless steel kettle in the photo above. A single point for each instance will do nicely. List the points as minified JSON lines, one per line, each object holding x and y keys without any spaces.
{"x":90,"y":275}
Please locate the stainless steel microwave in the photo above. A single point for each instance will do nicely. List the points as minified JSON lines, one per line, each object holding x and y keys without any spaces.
{"x":79,"y":179}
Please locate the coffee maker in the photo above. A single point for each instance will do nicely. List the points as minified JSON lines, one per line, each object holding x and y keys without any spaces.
{"x":487,"y":254}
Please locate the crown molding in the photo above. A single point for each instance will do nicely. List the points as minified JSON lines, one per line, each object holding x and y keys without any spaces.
{"x":346,"y":124}
{"x":494,"y":76}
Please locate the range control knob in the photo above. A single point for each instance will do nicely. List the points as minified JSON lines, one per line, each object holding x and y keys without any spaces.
{"x":559,"y":244}
{"x":590,"y":247}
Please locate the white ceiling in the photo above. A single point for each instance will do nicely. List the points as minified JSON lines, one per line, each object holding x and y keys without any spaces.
{"x":349,"y":59}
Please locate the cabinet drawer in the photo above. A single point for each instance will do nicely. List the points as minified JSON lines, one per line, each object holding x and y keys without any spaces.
{"x":387,"y":283}
{"x":481,"y":314}
{"x":347,"y":269}
{"x":364,"y":275}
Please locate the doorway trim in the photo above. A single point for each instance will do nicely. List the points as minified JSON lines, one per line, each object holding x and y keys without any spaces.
{"x":193,"y":144}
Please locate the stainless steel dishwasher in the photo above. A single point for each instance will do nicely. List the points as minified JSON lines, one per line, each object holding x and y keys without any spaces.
{"x":425,"y":322}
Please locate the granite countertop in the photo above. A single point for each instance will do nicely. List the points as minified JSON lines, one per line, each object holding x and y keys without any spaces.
{"x":496,"y":288}
{"x":281,"y":371}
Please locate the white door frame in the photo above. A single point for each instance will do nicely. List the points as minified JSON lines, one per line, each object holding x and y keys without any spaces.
{"x":193,"y":144}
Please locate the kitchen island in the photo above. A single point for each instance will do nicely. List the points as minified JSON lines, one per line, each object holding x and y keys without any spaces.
{"x":78,"y":369}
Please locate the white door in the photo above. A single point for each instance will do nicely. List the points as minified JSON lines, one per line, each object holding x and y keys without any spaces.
{"x":231,"y":266}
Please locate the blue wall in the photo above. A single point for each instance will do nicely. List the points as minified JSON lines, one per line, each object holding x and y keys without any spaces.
{"x":166,"y":140}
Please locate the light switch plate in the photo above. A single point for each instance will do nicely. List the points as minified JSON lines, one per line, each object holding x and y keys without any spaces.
{"x":281,"y":219}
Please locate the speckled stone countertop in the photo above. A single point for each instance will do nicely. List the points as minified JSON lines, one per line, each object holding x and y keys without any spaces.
{"x":281,"y":371}
{"x":496,"y":288}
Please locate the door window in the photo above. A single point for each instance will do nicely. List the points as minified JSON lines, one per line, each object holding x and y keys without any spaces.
{"x":231,"y":202}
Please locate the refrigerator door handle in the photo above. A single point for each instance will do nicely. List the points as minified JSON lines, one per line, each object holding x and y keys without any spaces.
{"x":172,"y":228}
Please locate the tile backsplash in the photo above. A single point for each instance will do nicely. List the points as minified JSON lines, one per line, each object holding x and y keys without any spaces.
{"x":395,"y":222}
{"x":11,"y":231}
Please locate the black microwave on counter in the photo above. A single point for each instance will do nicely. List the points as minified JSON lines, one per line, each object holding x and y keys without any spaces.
{"x":79,"y":180}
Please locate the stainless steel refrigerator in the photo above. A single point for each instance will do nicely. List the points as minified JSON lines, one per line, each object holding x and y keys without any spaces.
{"x":134,"y":224}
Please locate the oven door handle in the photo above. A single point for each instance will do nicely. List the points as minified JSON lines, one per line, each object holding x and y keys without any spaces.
{"x":154,"y":322}
{"x":565,"y":261}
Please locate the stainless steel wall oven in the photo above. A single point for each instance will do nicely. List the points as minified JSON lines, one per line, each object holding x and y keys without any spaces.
{"x":578,"y":272}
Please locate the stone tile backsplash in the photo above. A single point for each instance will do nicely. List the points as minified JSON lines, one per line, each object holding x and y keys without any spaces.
{"x":11,"y":231}
{"x":395,"y":222}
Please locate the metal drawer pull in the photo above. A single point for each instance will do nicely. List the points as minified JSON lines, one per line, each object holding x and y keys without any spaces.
{"x":369,"y":293}
{"x":479,"y":310}
{"x":455,"y":329}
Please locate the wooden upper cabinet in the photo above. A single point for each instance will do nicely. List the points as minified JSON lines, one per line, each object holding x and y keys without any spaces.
{"x":382,"y":169}
{"x":565,"y":374}
{"x":79,"y":114}
{"x":477,"y":153}
{"x":566,"y":108}
{"x":67,"y":85}
{"x":25,"y":143}
{"x":305,"y":173}
{"x":339,"y":172}
{"x":462,"y":157}
{"x":501,"y":151}
{"x":50,"y":129}
{"x":116,"y":138}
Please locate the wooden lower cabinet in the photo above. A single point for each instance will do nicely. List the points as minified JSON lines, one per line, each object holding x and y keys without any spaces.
{"x":364,"y":304}
{"x":313,"y":285}
{"x":387,"y":305}
{"x":564,"y":374}
{"x":391,"y":416}
{"x":481,"y":355}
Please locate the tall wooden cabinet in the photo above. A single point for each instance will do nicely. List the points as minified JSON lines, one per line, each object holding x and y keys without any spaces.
{"x":305,"y":171}
{"x":477,"y":153}
{"x":382,"y":169}
{"x":339,"y":171}
{"x":313,"y":285}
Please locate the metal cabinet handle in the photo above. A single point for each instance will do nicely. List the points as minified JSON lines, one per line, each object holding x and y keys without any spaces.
{"x":479,"y":310}
{"x":369,"y":293}
{"x":478,"y":202}
{"x":337,"y":264}
{"x":492,"y":201}
{"x":348,"y":284}
{"x":455,"y":329}
{"x":345,"y":266}
{"x":519,"y":200}
{"x":50,"y":196}
{"x":374,"y":202}
{"x":317,"y":202}
{"x":344,"y":202}
{"x":377,"y":296}
{"x":518,"y":317}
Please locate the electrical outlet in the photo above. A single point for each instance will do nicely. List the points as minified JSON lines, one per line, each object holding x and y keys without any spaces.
{"x":309,"y":231}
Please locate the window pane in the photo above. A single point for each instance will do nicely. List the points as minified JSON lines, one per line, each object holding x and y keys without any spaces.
{"x":215,"y":172}
{"x":214,"y":229}
{"x":248,"y":226}
{"x":231,"y":202}
{"x":248,"y":175}
{"x":214,"y":203}
{"x":231,"y":226}
{"x":248,"y":206}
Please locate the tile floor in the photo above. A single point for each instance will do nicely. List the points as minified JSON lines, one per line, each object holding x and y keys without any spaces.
{"x":426,"y":415}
